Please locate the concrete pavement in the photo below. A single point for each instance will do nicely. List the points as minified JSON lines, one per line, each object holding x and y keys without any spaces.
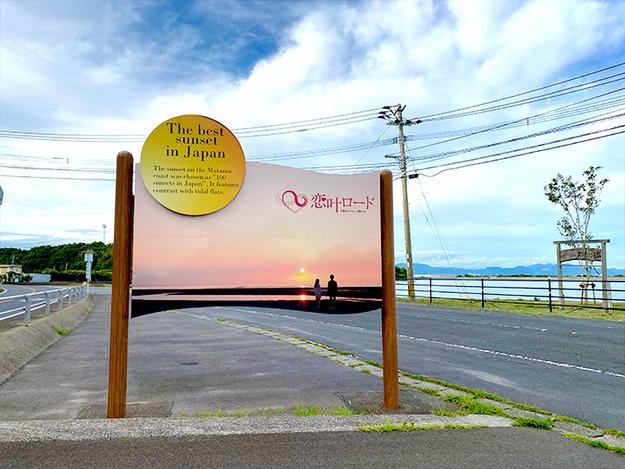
{"x":182,"y":365}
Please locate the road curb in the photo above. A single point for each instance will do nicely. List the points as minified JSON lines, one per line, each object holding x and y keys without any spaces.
{"x":21,"y":344}
{"x":88,"y":430}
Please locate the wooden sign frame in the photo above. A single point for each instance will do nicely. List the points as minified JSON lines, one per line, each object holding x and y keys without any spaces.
{"x":584,"y":254}
{"x":120,"y":302}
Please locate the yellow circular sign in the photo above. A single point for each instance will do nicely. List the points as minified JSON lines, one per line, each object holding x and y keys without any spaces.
{"x":192,"y":165}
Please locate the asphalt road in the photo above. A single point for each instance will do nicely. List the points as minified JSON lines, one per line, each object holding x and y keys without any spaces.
{"x":186,"y":364}
{"x":567,"y":366}
{"x":485,"y":448}
{"x":13,"y":290}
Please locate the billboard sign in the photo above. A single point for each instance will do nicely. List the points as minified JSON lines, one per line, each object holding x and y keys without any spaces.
{"x":286,"y":228}
{"x":192,"y":165}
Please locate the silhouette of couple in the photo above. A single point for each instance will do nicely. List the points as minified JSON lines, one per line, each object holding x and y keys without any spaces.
{"x":333,"y":289}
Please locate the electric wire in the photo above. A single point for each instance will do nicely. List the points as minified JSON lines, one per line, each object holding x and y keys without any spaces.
{"x":247,"y":132}
{"x":429,"y":116}
{"x":574,"y":125}
{"x":476,"y":161}
{"x":369,"y":149}
{"x":504,"y":125}
{"x":438,"y":234}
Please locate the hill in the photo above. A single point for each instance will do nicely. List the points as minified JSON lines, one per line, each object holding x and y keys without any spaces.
{"x":535,"y":269}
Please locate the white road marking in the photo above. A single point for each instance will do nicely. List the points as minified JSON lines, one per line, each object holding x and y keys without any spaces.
{"x":446,"y":344}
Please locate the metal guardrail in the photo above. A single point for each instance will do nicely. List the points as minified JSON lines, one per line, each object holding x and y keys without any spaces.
{"x":33,"y":301}
{"x":521,"y":290}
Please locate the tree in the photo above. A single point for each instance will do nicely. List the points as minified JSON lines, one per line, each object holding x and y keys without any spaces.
{"x":579,"y":200}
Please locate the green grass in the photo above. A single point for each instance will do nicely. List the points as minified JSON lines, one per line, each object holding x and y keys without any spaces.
{"x":303,"y":411}
{"x":524,"y":307}
{"x":614,"y":432}
{"x":589,"y":425}
{"x":345,"y":411}
{"x":474,"y":407}
{"x":433,"y":392}
{"x":477,"y":393}
{"x":408,"y":426}
{"x":372,"y":363}
{"x":242,"y":413}
{"x":64,"y":331}
{"x":266,"y":412}
{"x":218,"y":413}
{"x":595,"y":443}
{"x":546,"y":424}
{"x":562,"y":418}
{"x":300,"y":410}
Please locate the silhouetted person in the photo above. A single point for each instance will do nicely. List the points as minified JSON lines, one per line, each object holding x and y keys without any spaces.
{"x":317,"y":289}
{"x":333,"y":289}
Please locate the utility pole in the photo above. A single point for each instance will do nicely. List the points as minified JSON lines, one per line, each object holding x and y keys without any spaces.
{"x":394,"y":114}
{"x":104,"y":233}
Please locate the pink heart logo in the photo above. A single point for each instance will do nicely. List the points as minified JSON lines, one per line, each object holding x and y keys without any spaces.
{"x":292,"y":201}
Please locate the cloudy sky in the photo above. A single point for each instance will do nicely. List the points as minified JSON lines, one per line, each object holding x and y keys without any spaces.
{"x":82,"y":80}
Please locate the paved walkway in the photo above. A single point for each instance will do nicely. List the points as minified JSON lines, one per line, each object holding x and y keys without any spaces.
{"x":181,"y":365}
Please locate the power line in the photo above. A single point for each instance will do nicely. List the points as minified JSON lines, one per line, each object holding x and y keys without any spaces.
{"x":247,"y":132}
{"x":519,"y":122}
{"x":562,"y":128}
{"x":432,"y":116}
{"x":479,"y":160}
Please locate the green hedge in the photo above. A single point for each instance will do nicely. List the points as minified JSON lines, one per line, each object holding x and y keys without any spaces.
{"x":79,"y":275}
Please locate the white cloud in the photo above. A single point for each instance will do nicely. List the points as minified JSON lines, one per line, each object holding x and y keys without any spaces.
{"x":124,"y":67}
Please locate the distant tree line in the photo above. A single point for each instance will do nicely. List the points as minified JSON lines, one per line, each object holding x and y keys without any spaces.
{"x":62,"y":258}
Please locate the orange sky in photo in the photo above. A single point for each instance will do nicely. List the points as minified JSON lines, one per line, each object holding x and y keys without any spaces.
{"x":262,"y":238}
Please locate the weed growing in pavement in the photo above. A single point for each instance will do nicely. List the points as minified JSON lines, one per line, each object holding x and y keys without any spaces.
{"x":475,"y":407}
{"x":457,"y":426}
{"x":407,"y":426}
{"x":589,"y":425}
{"x":301,"y":410}
{"x":477,"y":393}
{"x":64,"y":331}
{"x":563,"y":418}
{"x":469,"y":402}
{"x":389,"y":427}
{"x":218,"y":413}
{"x":266,"y":412}
{"x":546,"y":424}
{"x":614,"y":432}
{"x":347,"y":411}
{"x":242,"y":413}
{"x":433,"y":392}
{"x":372,"y":363}
{"x":594,"y":443}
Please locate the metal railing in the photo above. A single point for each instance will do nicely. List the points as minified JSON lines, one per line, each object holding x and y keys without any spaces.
{"x":44,"y":299}
{"x":575,"y":292}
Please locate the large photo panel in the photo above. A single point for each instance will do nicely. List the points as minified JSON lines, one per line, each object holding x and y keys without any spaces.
{"x":285,"y":229}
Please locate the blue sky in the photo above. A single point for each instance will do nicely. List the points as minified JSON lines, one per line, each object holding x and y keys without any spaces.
{"x":120,"y":68}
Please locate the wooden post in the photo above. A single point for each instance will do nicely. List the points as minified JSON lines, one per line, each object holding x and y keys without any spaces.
{"x":605,"y":286}
{"x":560,"y":283}
{"x":120,"y":300}
{"x":389,"y":319}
